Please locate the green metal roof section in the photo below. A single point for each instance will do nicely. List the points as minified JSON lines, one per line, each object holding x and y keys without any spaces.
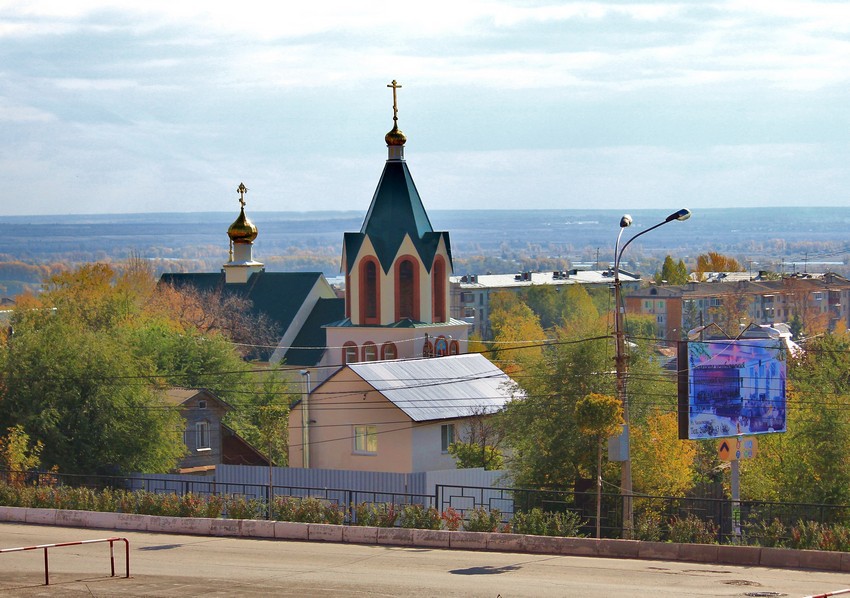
{"x":309,"y":345}
{"x":396,"y":211}
{"x":279,"y":295}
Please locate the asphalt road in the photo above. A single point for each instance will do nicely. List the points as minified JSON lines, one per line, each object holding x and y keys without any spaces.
{"x":174,"y":565}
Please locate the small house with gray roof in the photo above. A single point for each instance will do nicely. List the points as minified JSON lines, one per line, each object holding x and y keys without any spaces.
{"x":397,"y":416}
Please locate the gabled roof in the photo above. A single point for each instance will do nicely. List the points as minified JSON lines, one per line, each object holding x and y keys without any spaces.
{"x":309,"y":345}
{"x":278,"y":295}
{"x":396,"y":210}
{"x":439,"y":388}
{"x":178,"y":396}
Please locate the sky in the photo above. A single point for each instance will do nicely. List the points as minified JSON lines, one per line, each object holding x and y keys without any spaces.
{"x":168,"y":106}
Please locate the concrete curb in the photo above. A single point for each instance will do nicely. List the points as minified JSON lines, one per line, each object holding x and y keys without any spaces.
{"x":750,"y":556}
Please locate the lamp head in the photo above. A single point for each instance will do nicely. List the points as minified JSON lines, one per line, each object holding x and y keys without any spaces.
{"x":625,"y":221}
{"x":682,"y":214}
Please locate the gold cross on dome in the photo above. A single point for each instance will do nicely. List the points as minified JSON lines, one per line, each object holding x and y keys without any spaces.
{"x":395,"y":86}
{"x":242,"y":190}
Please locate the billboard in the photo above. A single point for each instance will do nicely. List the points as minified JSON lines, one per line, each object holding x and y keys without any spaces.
{"x":731,"y":387}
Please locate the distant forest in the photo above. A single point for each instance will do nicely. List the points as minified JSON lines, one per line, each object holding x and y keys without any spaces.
{"x":505,"y":241}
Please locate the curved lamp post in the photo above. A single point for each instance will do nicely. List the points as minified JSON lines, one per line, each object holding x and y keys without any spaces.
{"x":622,"y":365}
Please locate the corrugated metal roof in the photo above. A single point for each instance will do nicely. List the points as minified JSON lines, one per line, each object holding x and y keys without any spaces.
{"x":441,"y":387}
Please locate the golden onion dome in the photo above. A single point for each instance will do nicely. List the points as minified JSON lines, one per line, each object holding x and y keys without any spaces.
{"x":242,"y":230}
{"x":395,"y":137}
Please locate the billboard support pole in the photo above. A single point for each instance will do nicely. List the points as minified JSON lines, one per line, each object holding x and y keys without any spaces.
{"x":736,"y":493}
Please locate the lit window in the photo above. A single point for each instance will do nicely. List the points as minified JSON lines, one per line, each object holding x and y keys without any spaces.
{"x":202,"y":435}
{"x":366,"y":440}
{"x":447,"y":436}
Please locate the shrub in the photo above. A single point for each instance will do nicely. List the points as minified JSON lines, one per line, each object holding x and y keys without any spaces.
{"x":420,"y":517}
{"x":214,"y":506}
{"x":692,"y":530}
{"x":314,"y":510}
{"x":648,"y":526}
{"x":761,"y":533}
{"x":239,"y":507}
{"x":452,"y":520}
{"x":9,"y":495}
{"x":482,"y":520}
{"x":375,"y":515}
{"x":283,"y":508}
{"x":806,"y":535}
{"x":537,"y":522}
{"x":836,"y":537}
{"x":191,"y":505}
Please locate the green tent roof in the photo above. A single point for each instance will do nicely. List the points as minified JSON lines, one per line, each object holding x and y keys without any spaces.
{"x":396,"y":211}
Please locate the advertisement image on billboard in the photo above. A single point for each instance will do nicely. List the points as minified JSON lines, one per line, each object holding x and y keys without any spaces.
{"x":732,"y":387}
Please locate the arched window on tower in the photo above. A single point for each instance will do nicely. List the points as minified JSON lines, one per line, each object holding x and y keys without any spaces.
{"x":438,"y":289}
{"x":370,"y":351}
{"x":369,"y":292}
{"x":389,"y":351}
{"x":407,"y":291}
{"x":349,"y":353}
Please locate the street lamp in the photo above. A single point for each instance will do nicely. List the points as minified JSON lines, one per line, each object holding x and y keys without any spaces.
{"x":622,"y":365}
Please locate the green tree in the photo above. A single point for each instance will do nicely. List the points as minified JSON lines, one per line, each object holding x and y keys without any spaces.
{"x":600,"y":417}
{"x":84,"y":395}
{"x":517,"y":333}
{"x":480,"y":441}
{"x":18,"y":454}
{"x":469,"y":455}
{"x":662,"y":465}
{"x":263,"y":416}
{"x":672,"y":272}
{"x":547,"y":448}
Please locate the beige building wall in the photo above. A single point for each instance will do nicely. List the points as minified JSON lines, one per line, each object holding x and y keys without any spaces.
{"x":335,"y":408}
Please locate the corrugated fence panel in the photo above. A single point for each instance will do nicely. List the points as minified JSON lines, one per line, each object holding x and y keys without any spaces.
{"x":477,"y":477}
{"x":362,"y":481}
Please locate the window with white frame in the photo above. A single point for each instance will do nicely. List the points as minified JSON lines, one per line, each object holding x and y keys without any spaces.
{"x":366,"y":440}
{"x":447,"y":436}
{"x":202,"y":435}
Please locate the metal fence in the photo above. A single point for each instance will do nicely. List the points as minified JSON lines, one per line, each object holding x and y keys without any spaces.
{"x":648,"y":509}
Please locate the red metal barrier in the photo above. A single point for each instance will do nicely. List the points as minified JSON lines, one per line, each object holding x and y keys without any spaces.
{"x":111,"y":553}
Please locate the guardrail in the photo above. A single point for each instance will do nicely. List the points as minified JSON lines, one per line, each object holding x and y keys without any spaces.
{"x":60,"y":544}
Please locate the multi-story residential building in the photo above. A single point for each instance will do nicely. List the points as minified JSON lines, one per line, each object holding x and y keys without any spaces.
{"x":470,"y":294}
{"x":818,"y":301}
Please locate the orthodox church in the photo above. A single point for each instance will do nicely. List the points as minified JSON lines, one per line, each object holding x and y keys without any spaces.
{"x":390,"y":341}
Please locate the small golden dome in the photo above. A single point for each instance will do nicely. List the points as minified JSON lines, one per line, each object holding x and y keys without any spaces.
{"x":242,"y":230}
{"x":395,"y":137}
